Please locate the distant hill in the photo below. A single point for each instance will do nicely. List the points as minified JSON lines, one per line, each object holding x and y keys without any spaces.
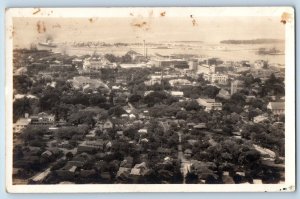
{"x":252,"y":41}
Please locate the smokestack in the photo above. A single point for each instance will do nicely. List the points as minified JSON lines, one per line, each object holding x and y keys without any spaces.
{"x":146,"y":53}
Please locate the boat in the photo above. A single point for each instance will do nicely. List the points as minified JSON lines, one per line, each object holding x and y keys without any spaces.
{"x":48,"y":43}
{"x":272,"y":51}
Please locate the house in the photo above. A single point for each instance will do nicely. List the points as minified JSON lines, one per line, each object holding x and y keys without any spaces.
{"x":120,"y":133}
{"x":154,"y":79}
{"x":264,"y":151}
{"x":38,"y":178}
{"x":135,"y":56}
{"x":224,"y":94}
{"x":249,"y":98}
{"x":82,"y":82}
{"x":91,"y":135}
{"x":67,"y":172}
{"x":209,"y":104}
{"x":192,"y":141}
{"x":142,"y":131}
{"x":138,"y":169}
{"x":226,"y":178}
{"x":132,"y":116}
{"x":200,"y":126}
{"x":20,"y":96}
{"x":20,"y":71}
{"x":144,"y":140}
{"x":123,"y":173}
{"x":137,"y":122}
{"x":91,"y":145}
{"x":108,"y":124}
{"x":96,"y":63}
{"x":124,"y":115}
{"x":127,"y":162}
{"x":257,"y":181}
{"x":177,"y":93}
{"x":42,"y":119}
{"x":47,"y":154}
{"x":21,"y":124}
{"x":180,"y":82}
{"x":276,"y":107}
{"x":260,"y":118}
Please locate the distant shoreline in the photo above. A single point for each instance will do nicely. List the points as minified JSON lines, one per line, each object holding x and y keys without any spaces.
{"x":252,"y":41}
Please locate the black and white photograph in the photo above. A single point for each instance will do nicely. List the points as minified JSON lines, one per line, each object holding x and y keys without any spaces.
{"x":150,"y":99}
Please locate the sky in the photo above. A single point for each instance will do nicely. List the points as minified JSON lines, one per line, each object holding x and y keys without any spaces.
{"x":152,"y":29}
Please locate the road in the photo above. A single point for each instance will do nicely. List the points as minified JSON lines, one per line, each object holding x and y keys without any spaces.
{"x":185,"y":164}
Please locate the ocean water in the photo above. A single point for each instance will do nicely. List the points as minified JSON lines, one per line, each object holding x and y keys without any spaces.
{"x":226,"y":52}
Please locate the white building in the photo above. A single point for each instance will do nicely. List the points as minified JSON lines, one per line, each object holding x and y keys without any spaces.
{"x":96,"y":63}
{"x":259,"y":119}
{"x":21,"y":124}
{"x":179,"y":82}
{"x":177,"y":93}
{"x":206,"y":69}
{"x":86,"y":82}
{"x":210,"y":104}
{"x":154,"y":79}
{"x":219,"y":78}
{"x":276,"y":107}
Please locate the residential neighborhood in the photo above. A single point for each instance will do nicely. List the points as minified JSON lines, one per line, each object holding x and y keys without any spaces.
{"x":140,"y":118}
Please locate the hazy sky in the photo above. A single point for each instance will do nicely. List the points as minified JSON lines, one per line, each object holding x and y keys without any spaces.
{"x":154,"y":29}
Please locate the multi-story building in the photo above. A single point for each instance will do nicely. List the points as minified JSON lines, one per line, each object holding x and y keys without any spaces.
{"x":82,"y":82}
{"x":154,"y":79}
{"x":180,"y":82}
{"x":97,"y":63}
{"x":210,"y":104}
{"x":236,"y":85}
{"x":218,"y":78}
{"x":276,"y":107}
{"x":206,"y":69}
{"x":42,"y":119}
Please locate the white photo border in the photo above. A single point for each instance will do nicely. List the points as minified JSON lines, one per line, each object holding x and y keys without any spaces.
{"x":290,"y":155}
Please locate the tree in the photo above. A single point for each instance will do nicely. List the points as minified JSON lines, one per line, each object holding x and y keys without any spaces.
{"x":22,"y":83}
{"x":116,"y":111}
{"x":49,"y":99}
{"x":238,"y":98}
{"x":181,"y":115}
{"x":192,"y":105}
{"x":33,"y":133}
{"x":82,"y":117}
{"x":22,"y":106}
{"x":69,"y":156}
{"x":210,"y":91}
{"x":191,"y":178}
{"x":155,"y":97}
{"x":97,"y":100}
{"x":126,"y":59}
{"x":134,"y":98}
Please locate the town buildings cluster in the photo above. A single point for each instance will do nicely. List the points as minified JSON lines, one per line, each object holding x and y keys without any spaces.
{"x":146,"y":119}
